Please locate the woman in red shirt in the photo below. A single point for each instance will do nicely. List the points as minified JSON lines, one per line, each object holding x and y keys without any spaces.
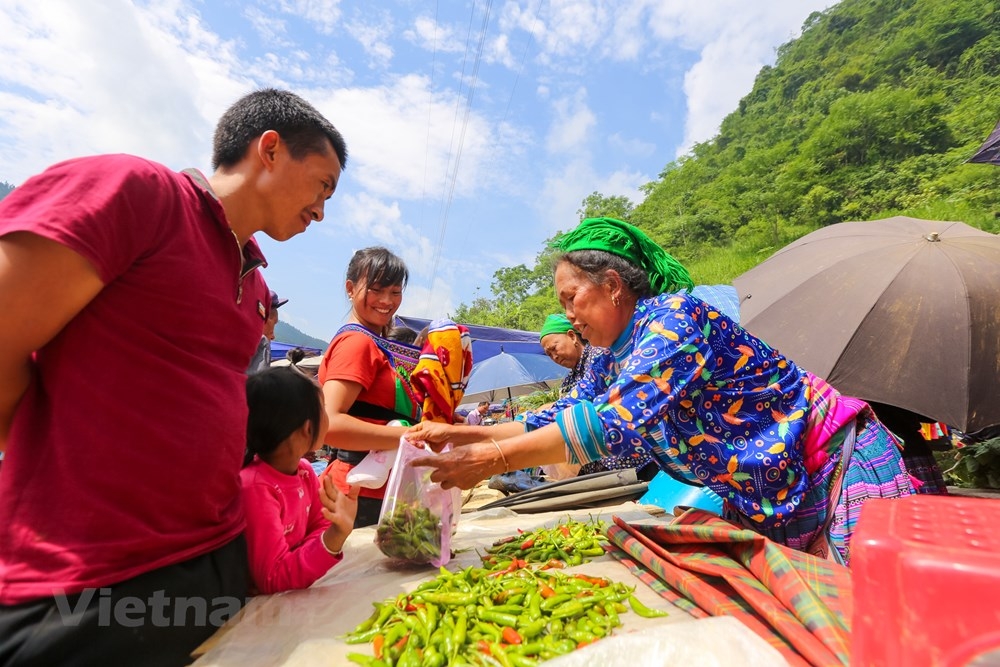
{"x":365,"y":377}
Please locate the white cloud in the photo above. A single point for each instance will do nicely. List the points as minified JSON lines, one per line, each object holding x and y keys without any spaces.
{"x":573,"y":25}
{"x":153,"y":90}
{"x":571,"y":125}
{"x":429,"y":303}
{"x":271,"y":29}
{"x":563,"y":192}
{"x":631,"y":147}
{"x":323,"y":14}
{"x":734,"y":39}
{"x":434,"y":37}
{"x":376,"y":222}
{"x":403,"y":139}
{"x":374,"y":37}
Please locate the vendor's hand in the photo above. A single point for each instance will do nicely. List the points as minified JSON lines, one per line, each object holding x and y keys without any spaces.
{"x":339,"y":509}
{"x":463,"y":467}
{"x":435,"y":434}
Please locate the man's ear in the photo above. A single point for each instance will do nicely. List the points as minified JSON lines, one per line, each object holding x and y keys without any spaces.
{"x":267,"y":148}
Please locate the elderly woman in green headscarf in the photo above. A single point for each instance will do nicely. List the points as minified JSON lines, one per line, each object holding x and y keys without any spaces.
{"x":711,"y":403}
{"x":567,"y":348}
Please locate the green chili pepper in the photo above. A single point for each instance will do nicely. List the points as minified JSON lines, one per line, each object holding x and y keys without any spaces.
{"x":532,"y":629}
{"x":460,"y":629}
{"x":500,"y":617}
{"x":609,"y":611}
{"x":568,"y":609}
{"x":362,"y":637}
{"x":508,"y":608}
{"x":554,"y":601}
{"x":643,"y":610}
{"x":449,"y":598}
{"x":409,"y":658}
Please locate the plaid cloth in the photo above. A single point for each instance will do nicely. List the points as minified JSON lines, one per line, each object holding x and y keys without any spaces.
{"x":799,"y":603}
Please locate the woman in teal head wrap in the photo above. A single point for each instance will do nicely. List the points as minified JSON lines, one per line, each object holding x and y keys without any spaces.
{"x":567,"y":348}
{"x":713,"y":404}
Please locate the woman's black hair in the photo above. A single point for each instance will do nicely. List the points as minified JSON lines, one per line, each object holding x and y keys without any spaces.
{"x":377,"y":267}
{"x":594,"y":263}
{"x":279,"y":400}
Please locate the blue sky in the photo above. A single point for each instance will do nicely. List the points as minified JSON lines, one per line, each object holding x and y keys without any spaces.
{"x":475,"y":128}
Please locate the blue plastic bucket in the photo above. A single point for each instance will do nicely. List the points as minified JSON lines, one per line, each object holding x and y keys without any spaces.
{"x":666,"y":492}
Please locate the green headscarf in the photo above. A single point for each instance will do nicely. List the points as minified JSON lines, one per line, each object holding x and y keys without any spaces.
{"x":555,"y":323}
{"x":619,"y":238}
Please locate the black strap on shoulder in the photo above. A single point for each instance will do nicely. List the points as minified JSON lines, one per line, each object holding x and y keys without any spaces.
{"x":371,"y":411}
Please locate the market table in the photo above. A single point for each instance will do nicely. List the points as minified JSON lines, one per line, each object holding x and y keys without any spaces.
{"x":304,"y":628}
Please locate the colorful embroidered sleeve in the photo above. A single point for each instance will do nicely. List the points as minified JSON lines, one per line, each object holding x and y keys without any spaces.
{"x":575,"y":414}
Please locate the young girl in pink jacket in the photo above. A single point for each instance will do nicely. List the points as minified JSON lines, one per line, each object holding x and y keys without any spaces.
{"x":296,"y":523}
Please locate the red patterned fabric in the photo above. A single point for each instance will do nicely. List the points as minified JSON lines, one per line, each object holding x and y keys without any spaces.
{"x":799,"y":603}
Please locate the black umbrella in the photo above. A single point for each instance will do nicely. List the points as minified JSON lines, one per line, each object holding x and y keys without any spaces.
{"x":989,"y":152}
{"x":900,"y":311}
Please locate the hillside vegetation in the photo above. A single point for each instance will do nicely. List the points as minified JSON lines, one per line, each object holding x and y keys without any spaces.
{"x":872,"y":112}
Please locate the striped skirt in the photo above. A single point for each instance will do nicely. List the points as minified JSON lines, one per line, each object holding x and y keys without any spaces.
{"x":874,"y":469}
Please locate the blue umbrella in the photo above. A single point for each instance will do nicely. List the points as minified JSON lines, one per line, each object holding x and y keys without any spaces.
{"x":516,"y":372}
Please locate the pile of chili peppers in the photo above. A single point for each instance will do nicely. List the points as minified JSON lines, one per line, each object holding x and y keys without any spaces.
{"x":506,"y":614}
{"x":569,"y":543}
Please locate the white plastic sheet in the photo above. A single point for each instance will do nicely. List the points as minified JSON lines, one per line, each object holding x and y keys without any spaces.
{"x":304,"y":628}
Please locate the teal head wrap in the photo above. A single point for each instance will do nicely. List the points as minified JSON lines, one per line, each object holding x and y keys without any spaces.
{"x":555,"y":323}
{"x":619,"y":238}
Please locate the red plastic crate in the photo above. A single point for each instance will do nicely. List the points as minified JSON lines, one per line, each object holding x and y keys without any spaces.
{"x":926,"y":575}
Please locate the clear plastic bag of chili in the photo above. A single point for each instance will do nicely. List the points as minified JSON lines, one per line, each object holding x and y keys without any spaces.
{"x":418,"y":517}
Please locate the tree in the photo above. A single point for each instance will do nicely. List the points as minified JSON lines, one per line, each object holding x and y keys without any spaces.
{"x":596,"y":205}
{"x":5,"y":189}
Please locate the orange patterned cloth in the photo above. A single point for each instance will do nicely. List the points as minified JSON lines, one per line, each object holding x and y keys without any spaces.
{"x":443,"y":370}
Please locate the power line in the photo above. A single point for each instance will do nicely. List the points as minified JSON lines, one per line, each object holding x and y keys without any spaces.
{"x":474,"y":78}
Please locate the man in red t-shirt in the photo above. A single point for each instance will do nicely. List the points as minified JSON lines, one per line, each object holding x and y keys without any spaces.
{"x":122,"y":405}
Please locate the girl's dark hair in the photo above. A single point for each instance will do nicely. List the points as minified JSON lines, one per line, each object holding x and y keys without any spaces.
{"x":280,"y":400}
{"x":378,"y":267}
{"x":594,"y":263}
{"x":401,"y":334}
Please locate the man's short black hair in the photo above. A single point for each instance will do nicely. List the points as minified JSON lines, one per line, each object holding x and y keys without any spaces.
{"x":303,"y":129}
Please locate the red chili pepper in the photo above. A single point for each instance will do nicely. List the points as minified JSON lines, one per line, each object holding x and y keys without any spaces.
{"x":564,"y":530}
{"x":528,"y":543}
{"x":484,"y":646}
{"x":546,"y":591}
{"x":595,"y":581}
{"x":585,"y":642}
{"x":402,"y":642}
{"x":378,"y":643}
{"x":510,"y":636}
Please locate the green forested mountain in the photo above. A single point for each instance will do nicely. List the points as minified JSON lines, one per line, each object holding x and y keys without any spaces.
{"x":286,"y":333}
{"x":871,"y":112}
